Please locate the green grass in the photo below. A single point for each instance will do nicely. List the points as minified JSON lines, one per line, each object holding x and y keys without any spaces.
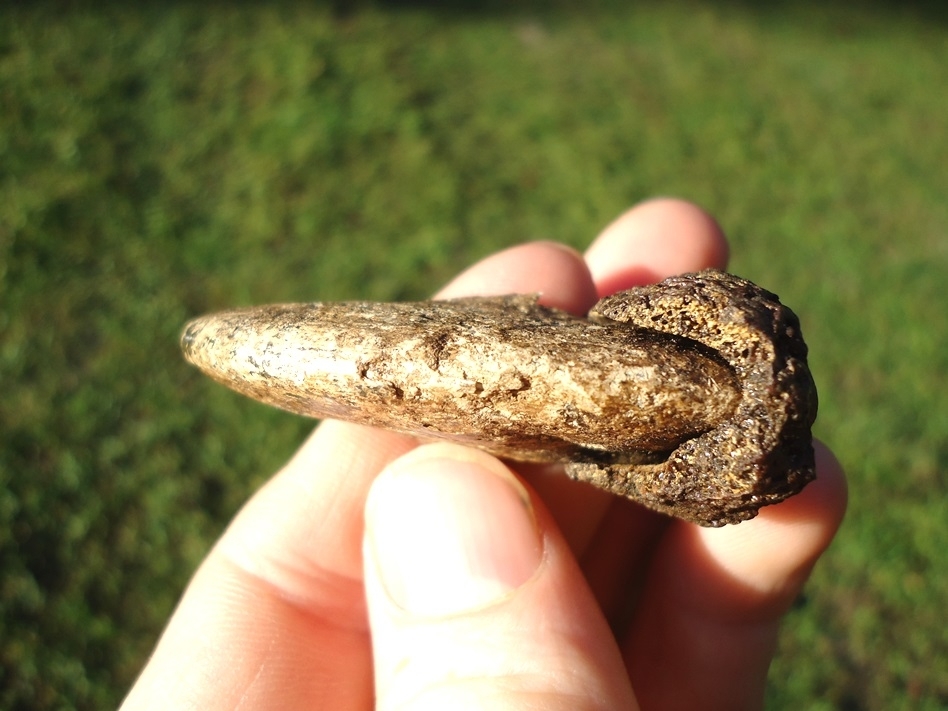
{"x":161,"y":161}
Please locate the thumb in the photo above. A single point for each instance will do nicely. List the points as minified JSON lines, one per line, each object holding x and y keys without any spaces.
{"x":475,"y":601}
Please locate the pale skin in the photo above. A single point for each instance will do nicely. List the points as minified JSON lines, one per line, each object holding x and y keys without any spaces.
{"x":374,"y":572}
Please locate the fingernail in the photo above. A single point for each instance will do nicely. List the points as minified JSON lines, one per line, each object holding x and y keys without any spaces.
{"x":449,"y":536}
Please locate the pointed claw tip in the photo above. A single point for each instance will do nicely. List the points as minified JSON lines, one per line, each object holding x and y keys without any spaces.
{"x":189,"y":339}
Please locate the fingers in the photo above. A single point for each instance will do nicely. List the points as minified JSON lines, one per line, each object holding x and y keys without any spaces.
{"x":474,"y":598}
{"x":711,"y":610}
{"x":554,"y":271}
{"x":654,"y":240}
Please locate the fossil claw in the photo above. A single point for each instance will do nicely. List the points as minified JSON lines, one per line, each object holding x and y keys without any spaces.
{"x":691,"y":396}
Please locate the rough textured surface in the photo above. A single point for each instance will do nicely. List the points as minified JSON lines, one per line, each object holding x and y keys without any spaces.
{"x":763,"y":453}
{"x":691,"y":396}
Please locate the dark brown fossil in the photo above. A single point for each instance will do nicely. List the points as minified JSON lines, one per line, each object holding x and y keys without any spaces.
{"x":691,"y":396}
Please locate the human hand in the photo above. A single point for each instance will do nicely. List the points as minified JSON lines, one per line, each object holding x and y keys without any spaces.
{"x":373,"y":572}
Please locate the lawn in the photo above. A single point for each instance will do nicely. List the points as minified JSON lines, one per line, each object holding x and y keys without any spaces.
{"x":161,"y":160}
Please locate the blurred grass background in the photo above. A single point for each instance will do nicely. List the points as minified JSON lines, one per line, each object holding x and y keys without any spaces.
{"x":162,"y":160}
